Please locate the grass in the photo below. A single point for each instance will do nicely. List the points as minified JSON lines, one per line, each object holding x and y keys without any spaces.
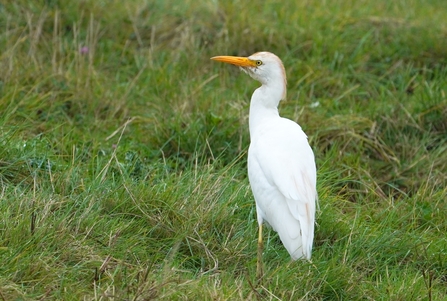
{"x":123,"y":149}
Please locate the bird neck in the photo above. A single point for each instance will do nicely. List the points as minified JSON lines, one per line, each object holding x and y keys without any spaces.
{"x":263,"y":106}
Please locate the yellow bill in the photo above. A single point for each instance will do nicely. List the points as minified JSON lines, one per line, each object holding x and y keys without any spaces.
{"x":235,"y":60}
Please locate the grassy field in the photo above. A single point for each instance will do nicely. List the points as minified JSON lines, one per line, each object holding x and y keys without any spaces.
{"x":123,"y":149}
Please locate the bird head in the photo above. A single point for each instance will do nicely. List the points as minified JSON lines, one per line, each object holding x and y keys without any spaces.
{"x":264,"y":67}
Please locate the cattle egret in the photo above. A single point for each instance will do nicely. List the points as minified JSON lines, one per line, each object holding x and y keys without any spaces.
{"x":281,"y":164}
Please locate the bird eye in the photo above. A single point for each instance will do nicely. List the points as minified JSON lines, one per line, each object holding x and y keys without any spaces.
{"x":258,"y":63}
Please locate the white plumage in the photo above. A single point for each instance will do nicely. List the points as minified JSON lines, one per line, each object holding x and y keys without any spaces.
{"x":281,"y":164}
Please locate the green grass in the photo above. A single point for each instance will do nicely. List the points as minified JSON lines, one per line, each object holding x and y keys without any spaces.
{"x":122,"y":170}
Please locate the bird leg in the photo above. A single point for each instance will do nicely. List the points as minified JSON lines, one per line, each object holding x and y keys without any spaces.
{"x":259,"y":265}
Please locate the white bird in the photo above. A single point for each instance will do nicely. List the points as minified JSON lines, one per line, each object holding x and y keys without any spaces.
{"x":281,"y":164}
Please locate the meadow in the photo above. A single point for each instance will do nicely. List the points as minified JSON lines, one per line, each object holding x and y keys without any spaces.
{"x":123,"y":149}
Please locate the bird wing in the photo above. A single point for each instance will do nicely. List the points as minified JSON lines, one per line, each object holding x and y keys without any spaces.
{"x":287,"y":161}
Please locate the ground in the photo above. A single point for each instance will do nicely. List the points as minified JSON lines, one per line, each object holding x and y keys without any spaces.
{"x":123,"y":149}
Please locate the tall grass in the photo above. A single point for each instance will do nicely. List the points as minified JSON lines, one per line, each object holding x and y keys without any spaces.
{"x":123,"y":149}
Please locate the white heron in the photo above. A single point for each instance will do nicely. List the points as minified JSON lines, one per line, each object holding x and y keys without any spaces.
{"x":281,"y":164}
